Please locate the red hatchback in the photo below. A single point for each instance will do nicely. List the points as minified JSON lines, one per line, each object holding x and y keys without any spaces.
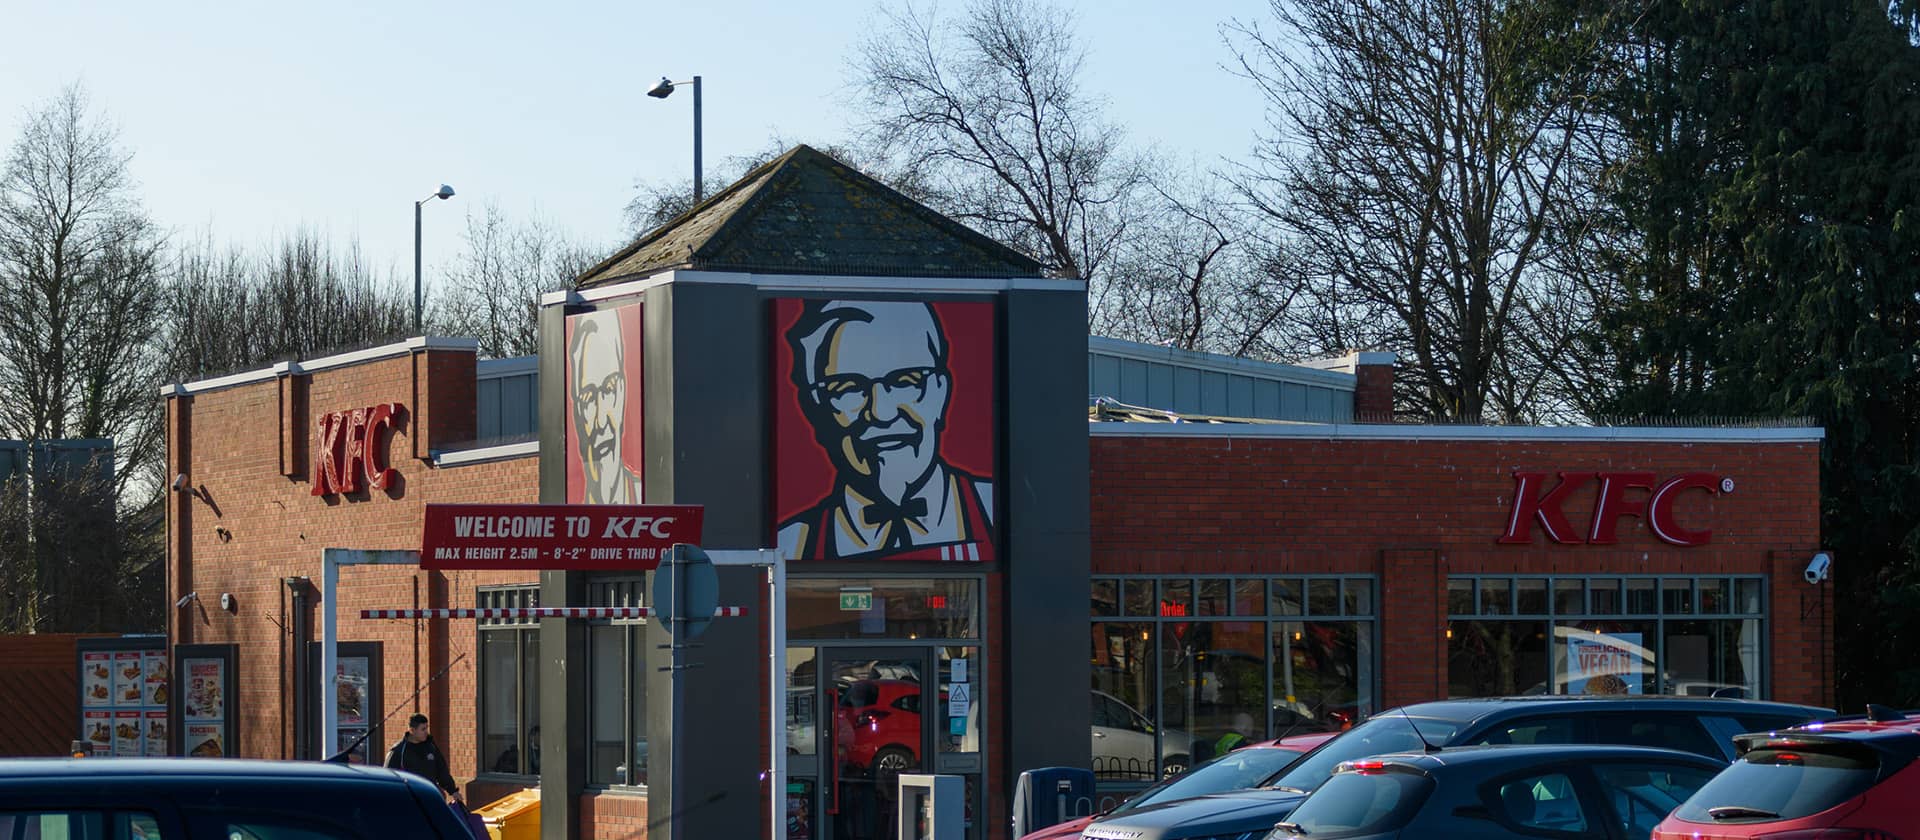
{"x":1852,"y":779}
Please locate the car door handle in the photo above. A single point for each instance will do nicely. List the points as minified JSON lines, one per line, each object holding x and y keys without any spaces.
{"x":1099,"y":734}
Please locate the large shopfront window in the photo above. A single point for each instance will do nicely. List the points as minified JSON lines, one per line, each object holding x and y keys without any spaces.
{"x":1185,"y":669}
{"x":509,"y":684}
{"x":617,"y":687}
{"x":1696,"y":636}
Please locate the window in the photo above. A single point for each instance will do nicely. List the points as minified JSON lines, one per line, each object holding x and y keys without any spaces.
{"x":916,"y":608}
{"x":1203,"y":664}
{"x":509,"y":683}
{"x":1644,"y":794}
{"x":1698,"y":636}
{"x":1547,"y":802}
{"x":617,"y":687}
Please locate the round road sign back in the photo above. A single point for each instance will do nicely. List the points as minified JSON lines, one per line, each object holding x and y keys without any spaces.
{"x":702,"y":584}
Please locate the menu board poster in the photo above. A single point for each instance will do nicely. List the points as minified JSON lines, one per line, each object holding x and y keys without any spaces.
{"x":126,"y":732}
{"x":205,"y":690}
{"x":96,"y":679}
{"x":154,"y":664}
{"x":156,"y":732}
{"x":98,"y":729}
{"x":204,"y":740}
{"x":350,"y":691}
{"x":129,"y":679}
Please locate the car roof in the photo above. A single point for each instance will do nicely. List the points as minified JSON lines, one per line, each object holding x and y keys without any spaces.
{"x":1477,"y":709}
{"x":1531,"y":753}
{"x":192,"y":769}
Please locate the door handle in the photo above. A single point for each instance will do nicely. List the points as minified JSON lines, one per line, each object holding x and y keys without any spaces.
{"x":1098,"y":734}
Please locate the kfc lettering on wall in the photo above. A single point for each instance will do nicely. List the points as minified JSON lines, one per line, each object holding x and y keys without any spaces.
{"x":351,"y":445}
{"x":1618,"y":494}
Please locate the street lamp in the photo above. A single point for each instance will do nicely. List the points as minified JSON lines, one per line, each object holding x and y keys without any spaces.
{"x":445,"y":192}
{"x":665,"y":89}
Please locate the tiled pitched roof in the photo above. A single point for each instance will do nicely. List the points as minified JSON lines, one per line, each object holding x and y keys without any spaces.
{"x":806,"y":213}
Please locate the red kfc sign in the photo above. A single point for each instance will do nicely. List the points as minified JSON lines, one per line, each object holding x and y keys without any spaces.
{"x":348,"y":445}
{"x":1612,"y":500}
{"x":589,"y":537}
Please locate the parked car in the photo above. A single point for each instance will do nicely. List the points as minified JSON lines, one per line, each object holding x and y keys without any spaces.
{"x":1853,"y":778}
{"x":878,"y":723}
{"x":1583,"y":790}
{"x":1123,"y":743}
{"x":1241,"y":768}
{"x":217,"y":797}
{"x":1704,"y":726}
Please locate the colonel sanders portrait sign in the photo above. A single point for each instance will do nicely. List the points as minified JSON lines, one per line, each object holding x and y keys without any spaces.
{"x":603,"y":407}
{"x":884,"y":419}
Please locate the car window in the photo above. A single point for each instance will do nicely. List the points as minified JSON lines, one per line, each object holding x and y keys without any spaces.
{"x":270,"y":827}
{"x":1674,"y":731}
{"x":1236,"y":770}
{"x":908,"y":703}
{"x":1644,"y":794}
{"x":1768,"y":785}
{"x":1381,"y":734}
{"x":1538,"y":730}
{"x":1352,"y":804}
{"x":53,"y":825}
{"x":1099,"y":708}
{"x":1545,"y":801}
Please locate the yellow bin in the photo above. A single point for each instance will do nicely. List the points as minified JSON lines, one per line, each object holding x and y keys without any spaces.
{"x":515,"y":816}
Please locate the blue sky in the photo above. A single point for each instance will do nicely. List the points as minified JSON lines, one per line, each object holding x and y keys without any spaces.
{"x":251,"y":120}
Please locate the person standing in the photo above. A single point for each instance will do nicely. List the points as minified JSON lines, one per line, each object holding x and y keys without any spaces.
{"x":416,"y":753}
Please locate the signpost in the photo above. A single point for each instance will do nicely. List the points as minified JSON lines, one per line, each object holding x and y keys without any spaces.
{"x":572,"y":537}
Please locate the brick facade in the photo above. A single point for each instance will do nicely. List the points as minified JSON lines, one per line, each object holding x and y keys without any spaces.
{"x":248,"y":449}
{"x":1414,"y":511}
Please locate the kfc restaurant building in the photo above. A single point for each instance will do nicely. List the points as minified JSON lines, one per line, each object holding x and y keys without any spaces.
{"x":896,"y":403}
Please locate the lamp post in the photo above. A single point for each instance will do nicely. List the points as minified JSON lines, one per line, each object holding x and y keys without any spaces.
{"x":445,"y":192}
{"x":665,"y":89}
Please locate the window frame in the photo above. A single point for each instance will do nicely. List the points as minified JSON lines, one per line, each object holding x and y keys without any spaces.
{"x":1730,"y":586}
{"x":1356,"y":599}
{"x":508,"y":596}
{"x":619,"y":591}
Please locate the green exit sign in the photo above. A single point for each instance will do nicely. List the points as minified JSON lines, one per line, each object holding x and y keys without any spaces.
{"x":856,"y":600}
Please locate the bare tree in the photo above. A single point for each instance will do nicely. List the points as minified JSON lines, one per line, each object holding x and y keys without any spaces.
{"x":493,"y":291}
{"x":657,"y":203}
{"x":988,"y":113}
{"x":79,"y":266}
{"x":1417,"y":150}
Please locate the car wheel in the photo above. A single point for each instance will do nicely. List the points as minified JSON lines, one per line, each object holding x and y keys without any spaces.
{"x":888,"y":764}
{"x":1172,"y":766}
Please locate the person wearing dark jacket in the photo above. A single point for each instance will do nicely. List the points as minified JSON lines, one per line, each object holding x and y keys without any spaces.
{"x":418,"y":754}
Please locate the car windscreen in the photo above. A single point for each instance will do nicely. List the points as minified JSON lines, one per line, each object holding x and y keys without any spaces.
{"x":1767,"y":785}
{"x":1236,"y":770}
{"x":1353,"y":804}
{"x":1391,"y":732}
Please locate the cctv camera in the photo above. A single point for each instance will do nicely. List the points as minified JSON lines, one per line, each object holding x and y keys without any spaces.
{"x":186,"y":598}
{"x":1819,"y":567}
{"x":180,"y":483}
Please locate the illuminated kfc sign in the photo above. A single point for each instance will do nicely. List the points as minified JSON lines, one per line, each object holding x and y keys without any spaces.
{"x":1612,"y":499}
{"x":350,"y":445}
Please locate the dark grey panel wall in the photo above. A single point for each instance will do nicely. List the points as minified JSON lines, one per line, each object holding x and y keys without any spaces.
{"x":563,"y":696}
{"x":1048,"y":527}
{"x":706,"y":415}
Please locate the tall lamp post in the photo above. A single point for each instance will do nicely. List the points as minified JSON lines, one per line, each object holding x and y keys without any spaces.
{"x":445,"y":192}
{"x":665,"y":89}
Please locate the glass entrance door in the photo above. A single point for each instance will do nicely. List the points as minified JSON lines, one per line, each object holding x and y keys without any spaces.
{"x":872,"y":726}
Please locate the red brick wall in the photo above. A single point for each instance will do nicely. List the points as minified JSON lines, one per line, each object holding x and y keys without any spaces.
{"x":613,"y":816}
{"x":1416,"y":511}
{"x":1373,"y":393}
{"x":229,"y":442}
{"x":39,"y":687}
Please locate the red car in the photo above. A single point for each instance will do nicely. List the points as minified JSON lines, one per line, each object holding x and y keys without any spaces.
{"x":1853,"y":779}
{"x":1245,"y":767}
{"x":877,"y":722}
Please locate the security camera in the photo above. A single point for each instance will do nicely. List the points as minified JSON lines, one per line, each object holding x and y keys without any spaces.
{"x":180,"y":483}
{"x":184,"y":599}
{"x":1819,"y":567}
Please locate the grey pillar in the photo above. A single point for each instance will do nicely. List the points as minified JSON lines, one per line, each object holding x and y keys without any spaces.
{"x":1048,"y":526}
{"x":706,"y":408}
{"x":563,"y":690}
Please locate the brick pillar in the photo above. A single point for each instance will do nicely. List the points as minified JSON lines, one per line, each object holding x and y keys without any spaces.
{"x":1372,"y":373}
{"x":1412,"y":597}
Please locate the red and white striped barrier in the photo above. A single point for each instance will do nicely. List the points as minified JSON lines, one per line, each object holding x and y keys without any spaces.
{"x":539,"y":612}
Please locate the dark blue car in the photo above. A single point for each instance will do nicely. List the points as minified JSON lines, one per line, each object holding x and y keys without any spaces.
{"x":1699,"y":725}
{"x":1582,"y":790}
{"x":167,"y":798}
